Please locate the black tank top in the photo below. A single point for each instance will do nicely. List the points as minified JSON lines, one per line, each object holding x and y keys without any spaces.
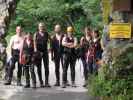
{"x":41,"y":41}
{"x":69,"y":50}
{"x":56,"y":45}
{"x":28,"y":49}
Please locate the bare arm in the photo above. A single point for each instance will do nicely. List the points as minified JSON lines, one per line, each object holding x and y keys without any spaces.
{"x":10,"y":46}
{"x":65,"y":44}
{"x":74,"y":45}
{"x":81,"y":41}
{"x":34,"y":39}
{"x":21,"y":49}
{"x":51,"y":47}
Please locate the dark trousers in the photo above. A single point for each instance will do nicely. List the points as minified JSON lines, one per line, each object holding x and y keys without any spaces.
{"x":88,"y":67}
{"x":57,"y":60}
{"x":69,"y":59}
{"x":14,"y":59}
{"x":29,"y":68}
{"x":62,"y":60}
{"x":91,"y":67}
{"x":45,"y":58}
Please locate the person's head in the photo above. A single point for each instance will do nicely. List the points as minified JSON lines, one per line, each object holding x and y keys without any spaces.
{"x":87,"y":31}
{"x":89,"y":37}
{"x":95,"y":34}
{"x":18,"y":30}
{"x":41,"y":27}
{"x":70,"y":30}
{"x":29,"y":36}
{"x":57,"y":28}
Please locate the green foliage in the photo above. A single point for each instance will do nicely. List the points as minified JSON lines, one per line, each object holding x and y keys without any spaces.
{"x":115,"y":82}
{"x":77,"y":13}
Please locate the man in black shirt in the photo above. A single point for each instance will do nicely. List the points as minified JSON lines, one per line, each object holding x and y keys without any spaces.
{"x":56,"y":51}
{"x":40,"y":44}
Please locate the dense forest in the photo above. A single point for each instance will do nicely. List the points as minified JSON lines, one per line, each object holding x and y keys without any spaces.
{"x":78,"y":13}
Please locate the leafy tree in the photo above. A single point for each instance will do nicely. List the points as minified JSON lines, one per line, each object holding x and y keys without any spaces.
{"x":77,"y":13}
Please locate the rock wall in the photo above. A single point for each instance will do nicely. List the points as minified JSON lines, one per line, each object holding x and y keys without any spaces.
{"x":7,"y":10}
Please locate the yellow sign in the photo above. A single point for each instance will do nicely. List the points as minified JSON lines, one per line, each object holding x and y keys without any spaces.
{"x":120,"y":30}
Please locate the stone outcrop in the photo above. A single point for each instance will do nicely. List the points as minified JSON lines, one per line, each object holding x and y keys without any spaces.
{"x":7,"y":10}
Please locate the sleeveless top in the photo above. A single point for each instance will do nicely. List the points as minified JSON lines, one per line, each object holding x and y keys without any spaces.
{"x":56,"y":45}
{"x":69,"y":50}
{"x":28,"y":49}
{"x":41,"y":42}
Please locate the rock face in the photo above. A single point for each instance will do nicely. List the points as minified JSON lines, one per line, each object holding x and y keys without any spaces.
{"x":7,"y":9}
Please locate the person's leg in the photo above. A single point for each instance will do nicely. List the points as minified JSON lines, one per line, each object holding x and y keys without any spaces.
{"x":46,"y":66}
{"x":10,"y":71}
{"x":57,"y":70}
{"x":33,"y":76}
{"x":90,"y":67}
{"x":39,"y":72}
{"x":62,"y":60}
{"x":27,"y":76}
{"x":65,"y":68}
{"x":85,"y":71}
{"x":19,"y":74}
{"x":72,"y":67}
{"x":85,"y":68}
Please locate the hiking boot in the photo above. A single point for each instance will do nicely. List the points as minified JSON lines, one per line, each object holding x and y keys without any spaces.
{"x":57,"y":84}
{"x":7,"y":83}
{"x":85,"y":85}
{"x":73,"y":84}
{"x":27,"y":86}
{"x":47,"y":85}
{"x":42,"y":85}
{"x":64,"y":85}
{"x":19,"y":84}
{"x":34,"y":86}
{"x":67,"y":83}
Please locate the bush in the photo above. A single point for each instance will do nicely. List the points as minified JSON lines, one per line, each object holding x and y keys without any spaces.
{"x":115,"y":83}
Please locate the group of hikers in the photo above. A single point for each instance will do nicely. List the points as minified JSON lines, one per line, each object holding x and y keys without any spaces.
{"x":29,"y":51}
